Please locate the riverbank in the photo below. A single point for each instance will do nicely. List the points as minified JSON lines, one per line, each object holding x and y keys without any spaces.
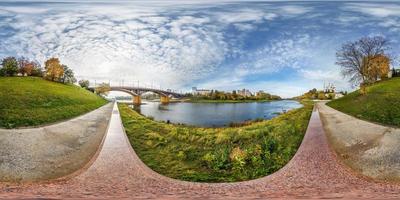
{"x":216,"y":154}
{"x":33,"y":101}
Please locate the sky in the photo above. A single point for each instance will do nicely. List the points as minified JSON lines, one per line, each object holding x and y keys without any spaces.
{"x":284,"y":48}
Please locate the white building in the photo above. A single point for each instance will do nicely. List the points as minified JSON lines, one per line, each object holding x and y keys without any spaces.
{"x":338,"y":95}
{"x":244,"y":92}
{"x":196,"y":91}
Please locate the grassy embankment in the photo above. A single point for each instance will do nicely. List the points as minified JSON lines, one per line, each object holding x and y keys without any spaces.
{"x":381,"y":103}
{"x":216,"y":154}
{"x":31,"y":101}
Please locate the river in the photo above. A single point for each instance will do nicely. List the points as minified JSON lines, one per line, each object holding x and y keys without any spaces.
{"x":215,"y":114}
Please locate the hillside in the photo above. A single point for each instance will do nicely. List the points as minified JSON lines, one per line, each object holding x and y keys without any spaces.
{"x":381,"y":103}
{"x":30,"y":101}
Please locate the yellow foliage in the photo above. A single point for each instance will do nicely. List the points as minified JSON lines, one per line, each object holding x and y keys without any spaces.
{"x":54,"y":70}
{"x":103,"y":88}
{"x":237,"y":155}
{"x":376,"y":67}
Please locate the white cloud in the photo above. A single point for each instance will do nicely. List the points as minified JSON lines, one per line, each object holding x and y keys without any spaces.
{"x":322,"y":75}
{"x":292,"y":52}
{"x":175,"y":45}
{"x":374,"y":9}
{"x":23,"y":9}
{"x":294,"y":10}
{"x":241,"y":15}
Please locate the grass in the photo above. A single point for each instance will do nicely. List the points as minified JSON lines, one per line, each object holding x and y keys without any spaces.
{"x":381,"y":104}
{"x":32,"y":101}
{"x":216,"y":154}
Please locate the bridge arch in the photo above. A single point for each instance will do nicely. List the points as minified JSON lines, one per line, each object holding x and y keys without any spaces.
{"x":136,"y":97}
{"x":136,"y":93}
{"x":124,"y":90}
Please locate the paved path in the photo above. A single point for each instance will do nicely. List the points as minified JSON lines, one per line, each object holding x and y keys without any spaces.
{"x":53,"y":151}
{"x":314,"y":172}
{"x":369,"y":148}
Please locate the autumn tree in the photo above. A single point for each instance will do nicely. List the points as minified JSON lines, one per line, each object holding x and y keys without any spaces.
{"x":54,"y":70}
{"x":103,"y":88}
{"x":26,"y":67}
{"x":357,"y":58}
{"x":377,"y":68}
{"x":9,"y":66}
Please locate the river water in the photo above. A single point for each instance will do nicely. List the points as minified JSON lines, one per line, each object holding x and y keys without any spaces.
{"x":215,"y":114}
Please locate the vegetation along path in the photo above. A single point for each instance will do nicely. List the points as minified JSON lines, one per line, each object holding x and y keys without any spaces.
{"x":314,"y":172}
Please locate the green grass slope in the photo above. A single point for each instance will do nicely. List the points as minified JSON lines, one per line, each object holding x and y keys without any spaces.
{"x":31,"y":101}
{"x":381,"y":103}
{"x":216,"y":154}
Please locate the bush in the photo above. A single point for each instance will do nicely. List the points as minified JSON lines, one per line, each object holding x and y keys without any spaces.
{"x":84,"y":84}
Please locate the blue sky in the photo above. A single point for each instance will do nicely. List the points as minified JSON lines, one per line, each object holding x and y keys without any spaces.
{"x":285,"y":48}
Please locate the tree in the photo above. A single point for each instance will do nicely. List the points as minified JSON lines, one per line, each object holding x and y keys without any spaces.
{"x":84,"y":84}
{"x":26,"y":66}
{"x":321,"y":95}
{"x":37,"y":69}
{"x":234,"y":95}
{"x":54,"y":70}
{"x":68,"y":76}
{"x":103,"y":88}
{"x":10,"y":66}
{"x":378,"y":68}
{"x":355,"y":58}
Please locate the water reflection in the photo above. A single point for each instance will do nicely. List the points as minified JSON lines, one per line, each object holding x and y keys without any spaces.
{"x":214,"y":114}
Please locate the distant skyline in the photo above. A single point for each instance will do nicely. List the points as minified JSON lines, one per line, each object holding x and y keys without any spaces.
{"x":283,"y":48}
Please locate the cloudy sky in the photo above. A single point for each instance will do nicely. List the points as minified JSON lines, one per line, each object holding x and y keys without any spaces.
{"x":285,"y":48}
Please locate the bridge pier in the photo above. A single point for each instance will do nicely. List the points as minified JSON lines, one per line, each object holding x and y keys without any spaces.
{"x":137,"y":100}
{"x":164,"y":99}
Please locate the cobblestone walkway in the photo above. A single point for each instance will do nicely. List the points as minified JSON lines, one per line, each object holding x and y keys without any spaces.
{"x":314,"y":172}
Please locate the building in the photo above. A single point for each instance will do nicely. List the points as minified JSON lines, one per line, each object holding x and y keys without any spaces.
{"x":244,"y":92}
{"x":201,"y":92}
{"x":329,"y":88}
{"x":338,"y":95}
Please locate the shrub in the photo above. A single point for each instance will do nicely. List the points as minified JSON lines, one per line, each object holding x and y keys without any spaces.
{"x":238,"y":158}
{"x":84,"y":83}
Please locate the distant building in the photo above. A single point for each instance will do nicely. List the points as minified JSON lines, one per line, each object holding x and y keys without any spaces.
{"x":196,"y":91}
{"x":244,"y":92}
{"x":329,"y":88}
{"x":338,"y":95}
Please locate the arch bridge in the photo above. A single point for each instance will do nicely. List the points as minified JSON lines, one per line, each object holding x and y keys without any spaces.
{"x":136,"y":93}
